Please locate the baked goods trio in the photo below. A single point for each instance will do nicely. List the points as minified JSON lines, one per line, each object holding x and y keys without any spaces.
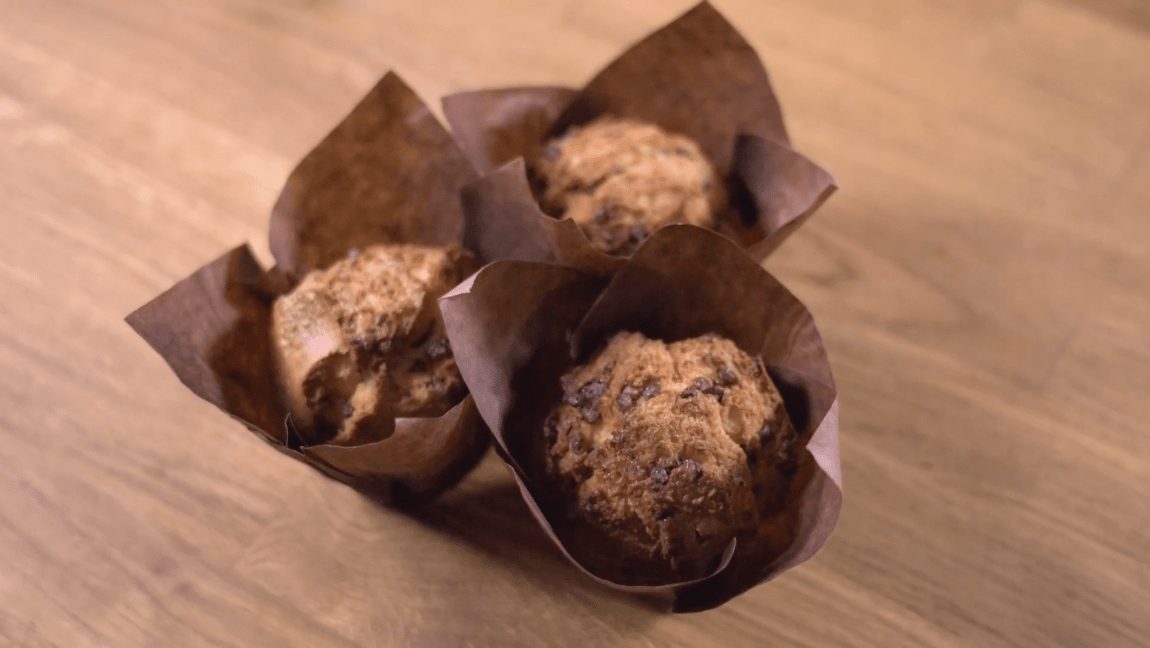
{"x":668,"y":463}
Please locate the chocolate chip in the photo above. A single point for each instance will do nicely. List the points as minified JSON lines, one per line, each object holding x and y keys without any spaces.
{"x":576,"y":443}
{"x":727,"y":376}
{"x":590,"y":414}
{"x":593,"y":389}
{"x":638,"y":233}
{"x":659,"y":475}
{"x":705,"y":386}
{"x":627,"y":397}
{"x":665,"y":514}
{"x":700,"y":536}
{"x":438,"y":349}
{"x":651,"y":391}
{"x":348,"y":410}
{"x":587,"y":394}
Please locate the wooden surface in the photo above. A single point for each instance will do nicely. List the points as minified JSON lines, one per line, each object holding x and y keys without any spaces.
{"x":981,"y":280}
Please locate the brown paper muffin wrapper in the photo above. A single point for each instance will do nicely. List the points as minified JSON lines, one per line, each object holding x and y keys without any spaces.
{"x":518,"y":326}
{"x":697,"y":77}
{"x":389,"y":172}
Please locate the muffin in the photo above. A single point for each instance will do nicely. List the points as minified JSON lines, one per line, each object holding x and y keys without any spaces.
{"x":620,"y":180}
{"x":362,"y":342}
{"x":665,"y":452}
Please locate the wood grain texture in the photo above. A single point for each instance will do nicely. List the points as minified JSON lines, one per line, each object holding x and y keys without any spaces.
{"x":981,"y":280}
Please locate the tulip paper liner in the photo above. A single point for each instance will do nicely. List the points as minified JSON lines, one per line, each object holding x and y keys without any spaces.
{"x":389,"y":172}
{"x":518,"y":326}
{"x":697,"y":77}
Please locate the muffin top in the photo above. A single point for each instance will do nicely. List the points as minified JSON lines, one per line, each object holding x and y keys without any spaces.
{"x":666,"y":452}
{"x":620,"y":180}
{"x":362,"y":342}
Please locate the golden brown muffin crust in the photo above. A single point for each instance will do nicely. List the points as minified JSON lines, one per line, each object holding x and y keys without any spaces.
{"x":620,"y":180}
{"x":362,"y":341}
{"x":669,"y":451}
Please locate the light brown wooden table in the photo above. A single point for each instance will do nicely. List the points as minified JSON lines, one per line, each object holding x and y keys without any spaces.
{"x":982,"y":280}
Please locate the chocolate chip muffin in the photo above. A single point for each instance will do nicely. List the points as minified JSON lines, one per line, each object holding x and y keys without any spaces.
{"x":664,"y":453}
{"x":620,"y":180}
{"x":362,"y":342}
